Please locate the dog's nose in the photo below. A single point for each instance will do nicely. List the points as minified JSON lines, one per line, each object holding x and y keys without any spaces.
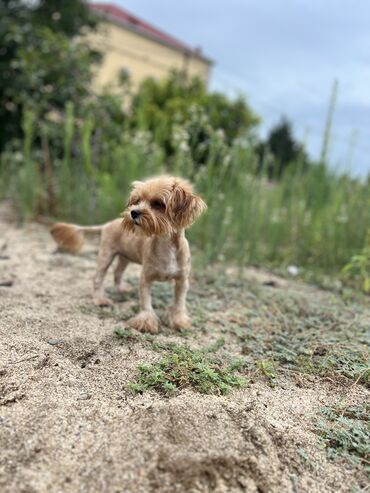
{"x":135,"y":214}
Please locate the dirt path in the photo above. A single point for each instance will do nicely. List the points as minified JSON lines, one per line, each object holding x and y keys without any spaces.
{"x":69,"y":424}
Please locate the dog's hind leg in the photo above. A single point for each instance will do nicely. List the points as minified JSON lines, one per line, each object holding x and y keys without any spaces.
{"x":121,"y":286}
{"x":105,"y":258}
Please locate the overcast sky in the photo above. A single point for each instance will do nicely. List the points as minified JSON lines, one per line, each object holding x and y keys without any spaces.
{"x":284,"y":56}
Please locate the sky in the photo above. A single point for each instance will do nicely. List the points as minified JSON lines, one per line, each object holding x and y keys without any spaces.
{"x":284,"y":56}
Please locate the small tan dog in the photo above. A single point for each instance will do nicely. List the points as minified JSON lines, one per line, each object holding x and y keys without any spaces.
{"x":152,"y":233}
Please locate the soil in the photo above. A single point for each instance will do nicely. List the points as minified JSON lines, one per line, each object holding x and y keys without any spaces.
{"x":69,"y":424}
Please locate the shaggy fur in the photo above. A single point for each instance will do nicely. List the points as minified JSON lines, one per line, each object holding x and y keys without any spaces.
{"x":151,"y":233}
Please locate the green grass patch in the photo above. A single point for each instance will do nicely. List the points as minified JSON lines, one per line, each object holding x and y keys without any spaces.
{"x":283,"y":332}
{"x":127,"y":335}
{"x":184,"y":367}
{"x":346,"y":433}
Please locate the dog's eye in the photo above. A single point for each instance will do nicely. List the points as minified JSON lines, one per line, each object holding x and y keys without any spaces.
{"x":157,"y":204}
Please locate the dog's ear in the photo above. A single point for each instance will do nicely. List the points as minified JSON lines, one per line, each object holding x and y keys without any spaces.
{"x":184,"y":206}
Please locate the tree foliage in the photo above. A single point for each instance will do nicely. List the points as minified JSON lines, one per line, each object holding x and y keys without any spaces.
{"x":42,"y":65}
{"x":280,"y":151}
{"x":161,"y":105}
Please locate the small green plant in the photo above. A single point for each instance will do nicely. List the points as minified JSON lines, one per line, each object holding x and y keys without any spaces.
{"x":359,"y":266}
{"x":218,"y":344}
{"x":184,"y":367}
{"x":346,"y":432}
{"x":317,"y":341}
{"x":268,"y":368}
{"x":125,"y":334}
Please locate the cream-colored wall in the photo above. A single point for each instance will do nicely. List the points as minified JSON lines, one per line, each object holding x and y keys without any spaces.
{"x":141,"y":56}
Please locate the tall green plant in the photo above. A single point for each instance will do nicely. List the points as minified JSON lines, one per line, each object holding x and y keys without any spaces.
{"x":27,"y":186}
{"x":329,"y":122}
{"x":310,"y":218}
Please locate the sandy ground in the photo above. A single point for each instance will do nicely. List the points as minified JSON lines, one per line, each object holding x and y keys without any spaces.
{"x":67,"y":423}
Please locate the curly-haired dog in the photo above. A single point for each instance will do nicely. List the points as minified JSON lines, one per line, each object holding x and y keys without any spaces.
{"x":151,"y":233}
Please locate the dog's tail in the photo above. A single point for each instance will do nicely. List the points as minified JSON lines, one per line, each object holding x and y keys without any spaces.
{"x":70,"y":237}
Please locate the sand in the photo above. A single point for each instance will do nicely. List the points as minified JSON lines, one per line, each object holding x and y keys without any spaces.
{"x":68,"y":423}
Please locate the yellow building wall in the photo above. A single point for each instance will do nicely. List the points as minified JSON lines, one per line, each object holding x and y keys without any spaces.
{"x":142,"y":57}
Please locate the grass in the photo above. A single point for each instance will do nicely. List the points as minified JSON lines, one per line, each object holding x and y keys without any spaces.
{"x":126,"y":335}
{"x":280,"y":331}
{"x":345,"y":432}
{"x":274,"y":332}
{"x":310,"y":353}
{"x":268,"y":368}
{"x":314,"y":219}
{"x":184,"y":367}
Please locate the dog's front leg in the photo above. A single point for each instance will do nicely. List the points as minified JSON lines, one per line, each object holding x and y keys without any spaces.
{"x":179,"y":318}
{"x":146,"y":320}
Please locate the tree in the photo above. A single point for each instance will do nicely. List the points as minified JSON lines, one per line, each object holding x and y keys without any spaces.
{"x":42,"y":65}
{"x":161,"y":105}
{"x":68,"y":17}
{"x":281,"y":151}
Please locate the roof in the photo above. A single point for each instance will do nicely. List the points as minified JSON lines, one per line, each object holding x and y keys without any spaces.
{"x":127,"y":20}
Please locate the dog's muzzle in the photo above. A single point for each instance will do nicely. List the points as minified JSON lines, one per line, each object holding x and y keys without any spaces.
{"x":135,"y":214}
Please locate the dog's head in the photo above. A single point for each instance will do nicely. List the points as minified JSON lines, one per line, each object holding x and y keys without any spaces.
{"x":161,"y":206}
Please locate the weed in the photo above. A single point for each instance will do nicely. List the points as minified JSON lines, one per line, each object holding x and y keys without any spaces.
{"x":125,"y":334}
{"x":218,"y":344}
{"x":313,"y":219}
{"x":312,"y":340}
{"x":312,"y":464}
{"x":346,"y":432}
{"x":184,"y":367}
{"x":268,"y":369}
{"x":359,"y":266}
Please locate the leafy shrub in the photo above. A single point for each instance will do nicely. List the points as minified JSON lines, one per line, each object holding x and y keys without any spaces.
{"x":162,"y":107}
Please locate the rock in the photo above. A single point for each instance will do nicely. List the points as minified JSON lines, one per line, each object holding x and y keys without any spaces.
{"x":53,"y":342}
{"x":6,"y":284}
{"x":84,"y":397}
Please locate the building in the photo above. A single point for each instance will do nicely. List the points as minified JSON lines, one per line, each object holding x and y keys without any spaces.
{"x":135,"y":48}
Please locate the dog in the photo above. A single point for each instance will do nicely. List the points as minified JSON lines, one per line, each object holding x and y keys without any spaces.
{"x":151,"y":233}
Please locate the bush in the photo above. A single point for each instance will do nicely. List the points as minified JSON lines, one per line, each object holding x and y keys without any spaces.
{"x":162,"y":107}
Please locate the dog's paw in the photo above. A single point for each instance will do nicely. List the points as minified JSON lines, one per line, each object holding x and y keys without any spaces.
{"x":124,"y":287}
{"x":144,"y":322}
{"x":103,"y":301}
{"x":179,"y":319}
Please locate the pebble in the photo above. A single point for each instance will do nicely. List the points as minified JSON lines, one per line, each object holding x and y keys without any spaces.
{"x":53,"y":342}
{"x":84,"y":397}
{"x":6,"y":284}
